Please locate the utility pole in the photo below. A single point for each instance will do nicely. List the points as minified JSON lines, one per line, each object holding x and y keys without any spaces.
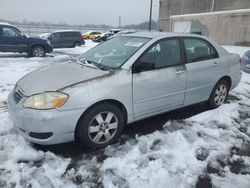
{"x":150,"y":15}
{"x":212,"y":6}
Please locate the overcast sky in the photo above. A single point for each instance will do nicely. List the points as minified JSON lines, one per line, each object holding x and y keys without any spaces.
{"x":79,"y":11}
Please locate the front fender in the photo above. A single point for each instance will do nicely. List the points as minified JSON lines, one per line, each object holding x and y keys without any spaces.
{"x":116,"y":86}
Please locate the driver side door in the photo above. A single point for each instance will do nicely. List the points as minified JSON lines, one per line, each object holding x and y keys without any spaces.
{"x":159,"y":79}
{"x":12,"y":40}
{"x":55,"y":40}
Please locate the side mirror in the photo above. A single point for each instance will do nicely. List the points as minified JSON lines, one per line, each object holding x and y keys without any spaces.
{"x":143,"y":66}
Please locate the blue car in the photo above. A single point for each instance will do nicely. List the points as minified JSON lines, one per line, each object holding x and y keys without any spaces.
{"x":13,"y":40}
{"x":246,"y":62}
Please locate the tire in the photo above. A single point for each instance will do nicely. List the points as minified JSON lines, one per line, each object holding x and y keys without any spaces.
{"x":219,"y":94}
{"x":37,"y":51}
{"x":95,"y":131}
{"x":76,"y":44}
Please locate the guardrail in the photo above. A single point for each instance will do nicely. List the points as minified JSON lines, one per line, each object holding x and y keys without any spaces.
{"x":34,"y":30}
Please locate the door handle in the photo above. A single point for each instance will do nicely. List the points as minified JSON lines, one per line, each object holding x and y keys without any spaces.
{"x":215,"y":63}
{"x":180,"y":71}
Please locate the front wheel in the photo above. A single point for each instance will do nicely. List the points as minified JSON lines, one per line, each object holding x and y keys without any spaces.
{"x":219,"y":94}
{"x":37,"y":51}
{"x":100,"y":126}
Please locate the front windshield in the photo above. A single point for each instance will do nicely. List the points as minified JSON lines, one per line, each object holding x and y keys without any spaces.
{"x":115,"y":52}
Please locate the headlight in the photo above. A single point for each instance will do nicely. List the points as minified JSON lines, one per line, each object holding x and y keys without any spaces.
{"x":47,"y":100}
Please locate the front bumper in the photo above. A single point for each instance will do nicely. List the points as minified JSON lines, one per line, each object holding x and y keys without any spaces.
{"x":49,"y":49}
{"x":45,"y":127}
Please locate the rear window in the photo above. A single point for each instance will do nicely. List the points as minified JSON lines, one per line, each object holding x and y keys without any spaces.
{"x":199,"y":50}
{"x":70,"y":34}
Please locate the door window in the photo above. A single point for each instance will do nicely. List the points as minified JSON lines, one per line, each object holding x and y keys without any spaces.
{"x":163,"y":54}
{"x":10,"y":32}
{"x":55,"y":36}
{"x":199,"y":50}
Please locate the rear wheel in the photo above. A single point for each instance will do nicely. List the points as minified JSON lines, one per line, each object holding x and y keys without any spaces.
{"x":37,"y":51}
{"x":77,"y":44}
{"x":219,"y":94}
{"x":100,"y":126}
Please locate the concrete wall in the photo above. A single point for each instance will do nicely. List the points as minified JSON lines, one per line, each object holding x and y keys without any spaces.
{"x":179,"y":7}
{"x":228,"y":29}
{"x":176,"y":7}
{"x":221,"y":5}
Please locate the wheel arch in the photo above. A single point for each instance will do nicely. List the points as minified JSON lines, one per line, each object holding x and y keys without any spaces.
{"x":228,"y":79}
{"x":117,"y":103}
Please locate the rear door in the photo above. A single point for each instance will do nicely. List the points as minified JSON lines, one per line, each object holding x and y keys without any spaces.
{"x":162,"y":87}
{"x":66,"y":39}
{"x":12,"y":40}
{"x":203,"y":69}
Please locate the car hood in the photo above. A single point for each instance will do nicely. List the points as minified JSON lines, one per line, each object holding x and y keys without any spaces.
{"x":57,"y":77}
{"x":36,"y":39}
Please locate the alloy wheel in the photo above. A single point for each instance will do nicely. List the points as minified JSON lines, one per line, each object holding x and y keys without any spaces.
{"x":220,"y":94}
{"x":38,"y":52}
{"x":103,"y":127}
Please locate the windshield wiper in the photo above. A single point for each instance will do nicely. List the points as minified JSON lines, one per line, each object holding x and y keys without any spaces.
{"x":98,"y":65}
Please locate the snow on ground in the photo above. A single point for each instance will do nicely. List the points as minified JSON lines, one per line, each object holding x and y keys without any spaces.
{"x":185,"y":153}
{"x":78,"y":50}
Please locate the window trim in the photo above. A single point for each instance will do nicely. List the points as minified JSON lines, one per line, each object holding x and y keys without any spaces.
{"x":1,"y":31}
{"x":13,"y":28}
{"x":200,"y":39}
{"x":182,"y":54}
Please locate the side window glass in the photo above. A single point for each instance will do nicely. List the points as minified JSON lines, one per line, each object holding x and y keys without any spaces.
{"x":55,"y":36}
{"x":1,"y":31}
{"x":63,"y":35}
{"x":198,"y":50}
{"x":10,"y":32}
{"x":163,"y":54}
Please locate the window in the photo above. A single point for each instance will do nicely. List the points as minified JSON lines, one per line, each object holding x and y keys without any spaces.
{"x":10,"y":32}
{"x":199,"y":50}
{"x":75,"y":34}
{"x":64,"y":35}
{"x":55,"y":36}
{"x":163,"y":54}
{"x":115,"y":52}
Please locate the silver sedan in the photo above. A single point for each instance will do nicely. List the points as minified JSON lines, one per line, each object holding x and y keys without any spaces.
{"x":118,"y":82}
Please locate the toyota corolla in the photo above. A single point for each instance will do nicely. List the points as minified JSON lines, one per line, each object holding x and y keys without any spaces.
{"x":118,"y":82}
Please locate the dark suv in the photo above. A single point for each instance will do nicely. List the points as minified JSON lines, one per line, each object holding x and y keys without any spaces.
{"x":13,"y":40}
{"x":65,"y":39}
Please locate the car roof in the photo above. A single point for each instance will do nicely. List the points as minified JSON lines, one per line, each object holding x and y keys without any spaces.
{"x":5,"y":23}
{"x":157,"y":34}
{"x":63,"y":31}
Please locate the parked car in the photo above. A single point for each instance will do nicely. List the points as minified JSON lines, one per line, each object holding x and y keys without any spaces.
{"x":91,"y":34}
{"x":246,"y":62}
{"x":114,"y":31}
{"x":65,"y":39}
{"x":13,"y":40}
{"x":123,"y":32}
{"x":120,"y":81}
{"x":103,"y":37}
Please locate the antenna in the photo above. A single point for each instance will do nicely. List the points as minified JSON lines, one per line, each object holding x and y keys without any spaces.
{"x":150,"y":15}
